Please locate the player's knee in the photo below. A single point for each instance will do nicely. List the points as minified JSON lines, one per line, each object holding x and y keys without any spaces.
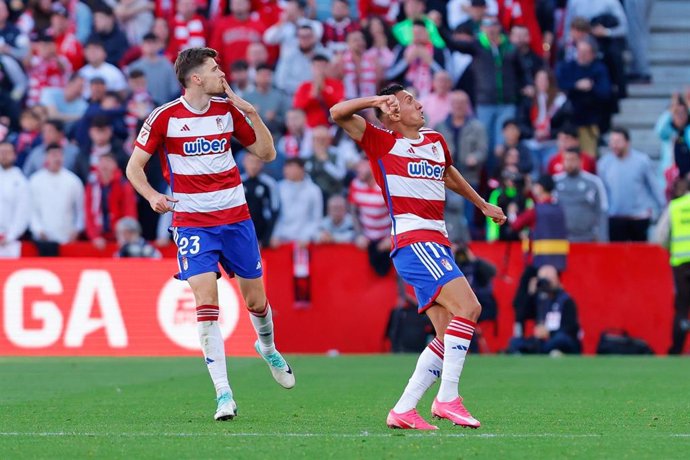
{"x":256,"y":303}
{"x":470,"y":310}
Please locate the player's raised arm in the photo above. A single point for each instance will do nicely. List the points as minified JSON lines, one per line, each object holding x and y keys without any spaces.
{"x":263,"y":147}
{"x":137,"y":177}
{"x":344,"y":113}
{"x":455,"y":182}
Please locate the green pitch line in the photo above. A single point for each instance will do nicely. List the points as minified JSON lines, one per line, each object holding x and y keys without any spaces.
{"x":163,"y":408}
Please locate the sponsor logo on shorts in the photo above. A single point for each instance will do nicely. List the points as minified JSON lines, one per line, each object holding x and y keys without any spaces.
{"x":425,"y":170}
{"x":185,"y":263}
{"x":201,"y":146}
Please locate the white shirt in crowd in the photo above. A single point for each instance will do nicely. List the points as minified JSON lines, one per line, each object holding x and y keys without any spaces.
{"x":15,"y":210}
{"x":58,"y":205}
{"x":114,"y":78}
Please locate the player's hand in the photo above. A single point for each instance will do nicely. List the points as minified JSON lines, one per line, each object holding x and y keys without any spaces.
{"x":389,"y":105}
{"x":494,"y":213}
{"x":162,"y":203}
{"x":237,"y":101}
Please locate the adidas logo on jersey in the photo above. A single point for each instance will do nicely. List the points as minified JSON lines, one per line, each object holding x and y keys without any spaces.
{"x":185,"y":128}
{"x":201,"y":146}
{"x":425,"y":170}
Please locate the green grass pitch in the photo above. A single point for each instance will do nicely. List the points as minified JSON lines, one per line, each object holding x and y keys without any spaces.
{"x":530,"y":407}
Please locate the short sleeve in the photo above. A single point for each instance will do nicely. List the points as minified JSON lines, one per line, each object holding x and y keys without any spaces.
{"x":150,"y":137}
{"x":243,"y":131}
{"x":376,"y":142}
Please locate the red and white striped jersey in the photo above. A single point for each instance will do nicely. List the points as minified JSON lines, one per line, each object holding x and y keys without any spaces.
{"x":194,"y":148}
{"x":410,"y":174}
{"x":371,"y":209}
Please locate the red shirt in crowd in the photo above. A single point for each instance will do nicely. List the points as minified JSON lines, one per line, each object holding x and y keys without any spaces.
{"x":387,"y":9}
{"x":186,"y":34}
{"x":231,"y":38}
{"x":317,"y":109}
{"x":268,"y":10}
{"x":69,"y":47}
{"x":555,"y":165}
{"x":121,"y":203}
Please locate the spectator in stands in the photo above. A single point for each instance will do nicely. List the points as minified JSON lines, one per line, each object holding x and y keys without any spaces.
{"x":297,"y":140}
{"x":566,"y":139}
{"x":97,"y":67}
{"x":380,"y":43}
{"x":161,"y":80}
{"x":337,"y":27}
{"x":130,"y":242}
{"x":139,"y":105}
{"x":136,"y":18}
{"x":101,"y":142}
{"x":372,"y":221}
{"x":187,"y":28}
{"x":13,"y":87}
{"x":586,"y":82}
{"x":583,"y":198}
{"x":498,"y":78}
{"x":467,"y":141}
{"x":542,"y":115}
{"x":512,"y":140}
{"x":52,"y":133}
{"x":66,"y":41}
{"x":359,"y":71}
{"x":261,"y":191}
{"x":233,"y":34}
{"x":239,"y":78}
{"x":609,"y":27}
{"x":530,"y":62}
{"x":468,"y":14}
{"x":635,"y":196}
{"x":58,"y":202}
{"x":294,"y":64}
{"x":106,"y":31}
{"x":381,"y":9}
{"x":301,"y":206}
{"x":15,"y":203}
{"x":557,"y":327}
{"x":673,"y":129}
{"x":286,"y":32}
{"x":638,"y":13}
{"x":257,"y":55}
{"x":14,"y":42}
{"x":437,"y":103}
{"x":317,"y":96}
{"x":415,"y":12}
{"x":548,"y":245}
{"x":66,"y":104}
{"x":337,"y":226}
{"x":108,"y":198}
{"x":326,"y":168}
{"x":580,"y":29}
{"x":271,"y":103}
{"x":45,"y":68}
{"x":29,"y":135}
{"x":416,"y":63}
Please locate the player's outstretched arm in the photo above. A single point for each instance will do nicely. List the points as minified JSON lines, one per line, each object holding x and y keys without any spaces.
{"x":137,"y":177}
{"x":344,"y":113}
{"x":455,"y":182}
{"x":263,"y":147}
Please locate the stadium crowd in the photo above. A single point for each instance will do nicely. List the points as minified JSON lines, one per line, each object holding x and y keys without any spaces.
{"x":518,"y":88}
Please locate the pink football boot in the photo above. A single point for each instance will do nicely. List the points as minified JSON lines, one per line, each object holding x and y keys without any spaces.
{"x":455,"y":412}
{"x":410,"y":420}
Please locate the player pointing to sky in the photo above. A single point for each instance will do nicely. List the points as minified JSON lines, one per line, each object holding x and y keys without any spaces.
{"x":211,"y":222}
{"x":413,"y":166}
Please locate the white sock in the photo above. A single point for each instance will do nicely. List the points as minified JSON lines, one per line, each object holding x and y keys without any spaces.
{"x":428,"y":370}
{"x":213,"y":346}
{"x":457,"y":341}
{"x":263,"y":325}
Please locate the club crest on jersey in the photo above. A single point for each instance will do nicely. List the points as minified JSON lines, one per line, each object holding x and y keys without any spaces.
{"x":446,"y":265}
{"x":425,"y":170}
{"x":201,"y":146}
{"x":219,"y":123}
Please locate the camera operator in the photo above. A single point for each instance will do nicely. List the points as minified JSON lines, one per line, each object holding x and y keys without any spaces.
{"x":557,"y":328}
